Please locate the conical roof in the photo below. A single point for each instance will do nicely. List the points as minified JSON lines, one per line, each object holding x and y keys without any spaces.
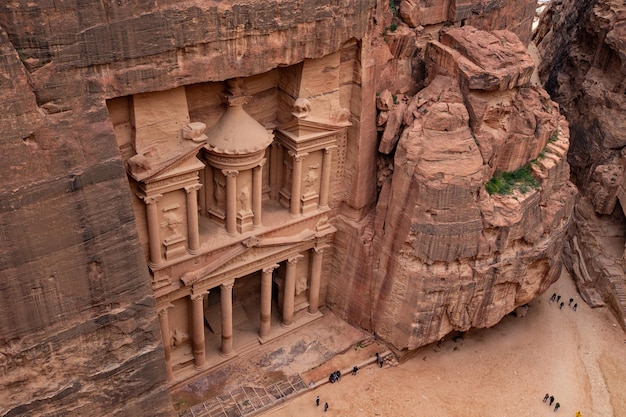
{"x":236,"y":132}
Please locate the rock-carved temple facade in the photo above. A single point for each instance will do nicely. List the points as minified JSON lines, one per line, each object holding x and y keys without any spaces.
{"x":233,"y":219}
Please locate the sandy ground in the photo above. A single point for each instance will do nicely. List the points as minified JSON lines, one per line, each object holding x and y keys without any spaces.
{"x":579,"y":357}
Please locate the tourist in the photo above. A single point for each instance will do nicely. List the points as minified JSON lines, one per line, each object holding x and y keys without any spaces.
{"x":379,"y":360}
{"x":575,"y":306}
{"x":556,"y":407}
{"x":553,"y":297}
{"x":551,"y":400}
{"x":544,"y":398}
{"x":579,"y":414}
{"x":558,"y":298}
{"x":354,"y":369}
{"x":561,"y":305}
{"x":325,"y":407}
{"x":317,"y":401}
{"x":571,"y":300}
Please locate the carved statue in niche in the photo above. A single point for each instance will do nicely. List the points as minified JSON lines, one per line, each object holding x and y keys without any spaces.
{"x":287,"y":177}
{"x":179,"y":337}
{"x":604,"y":185}
{"x":220,"y":195}
{"x":310,"y":179}
{"x":244,"y":199}
{"x":301,"y":284}
{"x":171,"y":222}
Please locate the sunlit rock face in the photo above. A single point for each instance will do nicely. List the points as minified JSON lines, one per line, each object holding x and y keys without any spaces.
{"x":583,"y":46}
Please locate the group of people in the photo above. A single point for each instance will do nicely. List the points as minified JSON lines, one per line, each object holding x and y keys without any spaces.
{"x":336,"y":376}
{"x":550,"y":398}
{"x":317,"y":403}
{"x":560,"y":303}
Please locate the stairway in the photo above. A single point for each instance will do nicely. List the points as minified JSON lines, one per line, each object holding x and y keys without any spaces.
{"x":247,"y":401}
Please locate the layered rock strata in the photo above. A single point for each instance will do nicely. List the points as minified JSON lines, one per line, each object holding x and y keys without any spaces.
{"x":79,"y":329}
{"x":583,"y":68}
{"x":447,"y":255}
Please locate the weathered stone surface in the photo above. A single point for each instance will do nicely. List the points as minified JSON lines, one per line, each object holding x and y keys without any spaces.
{"x":436,"y":231}
{"x":486,"y":61}
{"x":489,"y":15}
{"x":76,"y":298}
{"x":583,"y":45}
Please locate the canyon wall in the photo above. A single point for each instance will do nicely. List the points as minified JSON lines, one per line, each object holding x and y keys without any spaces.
{"x":78,"y":325}
{"x":449,"y":252}
{"x":421,"y":247}
{"x":584,"y":69}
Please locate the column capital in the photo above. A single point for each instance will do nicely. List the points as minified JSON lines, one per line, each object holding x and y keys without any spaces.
{"x":228,"y":285}
{"x":197,"y":297}
{"x":270,"y":268}
{"x":330,"y":148}
{"x":150,"y":199}
{"x":320,"y":249}
{"x":261,"y":163}
{"x":191,"y":188}
{"x":163,"y":309}
{"x":298,"y":156}
{"x":230,"y":172}
{"x":294,"y":259}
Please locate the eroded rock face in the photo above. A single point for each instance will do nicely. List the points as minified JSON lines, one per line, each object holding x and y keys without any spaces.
{"x":452,"y":256}
{"x":79,"y":329}
{"x":583,"y":46}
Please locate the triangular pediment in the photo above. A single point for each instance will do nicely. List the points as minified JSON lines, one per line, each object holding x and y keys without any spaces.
{"x":300,"y":129}
{"x":150,"y":167}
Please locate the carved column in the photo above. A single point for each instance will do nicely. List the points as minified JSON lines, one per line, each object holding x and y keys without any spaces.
{"x":257,"y":193}
{"x":226,"y":297}
{"x":316,"y":279}
{"x":197,"y":330}
{"x":276,"y":170}
{"x":154,"y":235}
{"x":266,"y":301}
{"x":290,"y":291}
{"x":164,"y":324}
{"x":231,"y":200}
{"x":325,"y":181}
{"x":193,"y":232}
{"x":296,"y":183}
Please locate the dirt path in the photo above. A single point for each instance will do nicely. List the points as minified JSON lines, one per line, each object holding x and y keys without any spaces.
{"x":577,"y":356}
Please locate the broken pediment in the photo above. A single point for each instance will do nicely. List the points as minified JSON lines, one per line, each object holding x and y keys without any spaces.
{"x":307,"y":135}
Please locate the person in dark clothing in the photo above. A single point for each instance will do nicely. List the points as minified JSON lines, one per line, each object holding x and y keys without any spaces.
{"x":556,"y":406}
{"x":317,"y":401}
{"x":575,"y":306}
{"x":551,"y":399}
{"x":325,"y":407}
{"x":571,"y":300}
{"x":544,"y":398}
{"x":354,"y":369}
{"x":558,"y":298}
{"x":553,"y":298}
{"x":561,"y":305}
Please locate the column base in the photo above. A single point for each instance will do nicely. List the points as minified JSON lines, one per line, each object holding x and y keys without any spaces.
{"x":286,"y":326}
{"x":200,"y":368}
{"x":227,"y":355}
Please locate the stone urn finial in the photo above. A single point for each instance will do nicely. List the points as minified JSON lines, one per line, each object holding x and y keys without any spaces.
{"x":195,"y":131}
{"x":235,"y":96}
{"x":301,"y":108}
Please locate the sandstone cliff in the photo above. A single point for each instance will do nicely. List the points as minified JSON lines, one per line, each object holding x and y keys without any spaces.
{"x":421,"y":247}
{"x":78,"y":327}
{"x":583,"y":46}
{"x":447,"y":255}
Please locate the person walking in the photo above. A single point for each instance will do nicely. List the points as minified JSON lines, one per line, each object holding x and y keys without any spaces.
{"x":354,"y":369}
{"x":551,"y":400}
{"x":556,"y":407}
{"x":575,"y":306}
{"x":544,"y":398}
{"x":317,"y":401}
{"x":571,"y":300}
{"x":325,"y":407}
{"x":561,"y":306}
